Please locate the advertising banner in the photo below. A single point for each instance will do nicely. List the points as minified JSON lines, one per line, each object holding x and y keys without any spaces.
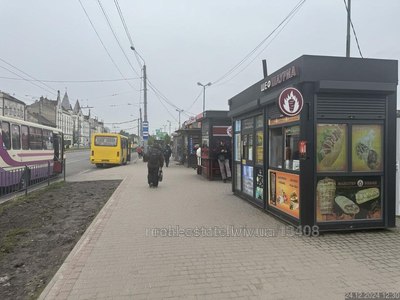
{"x":331,"y":147}
{"x":342,"y":198}
{"x":247,"y":178}
{"x":260,"y":184}
{"x":367,"y":152}
{"x":284,"y":192}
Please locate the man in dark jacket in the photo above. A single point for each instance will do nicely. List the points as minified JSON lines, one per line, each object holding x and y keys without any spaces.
{"x":167,"y":154}
{"x":155,"y":162}
{"x":223,"y":156}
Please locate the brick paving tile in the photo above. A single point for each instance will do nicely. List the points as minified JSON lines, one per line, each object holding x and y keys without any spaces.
{"x":130,"y":251}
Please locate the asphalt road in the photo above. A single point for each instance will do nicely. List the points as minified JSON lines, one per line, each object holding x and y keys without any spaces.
{"x":78,"y":162}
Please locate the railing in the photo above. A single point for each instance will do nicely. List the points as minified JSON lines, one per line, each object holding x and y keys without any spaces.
{"x":14,"y":180}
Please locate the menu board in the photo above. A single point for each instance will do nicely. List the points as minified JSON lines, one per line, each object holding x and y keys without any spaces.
{"x":284,"y":192}
{"x":260,"y":184}
{"x":367,"y":152}
{"x":331,"y":147}
{"x":248,"y":180}
{"x":341,"y":198}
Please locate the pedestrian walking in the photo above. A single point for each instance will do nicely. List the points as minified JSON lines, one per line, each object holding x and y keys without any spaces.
{"x":198,"y":154}
{"x":167,"y":154}
{"x":155,"y":162}
{"x":223,"y":156}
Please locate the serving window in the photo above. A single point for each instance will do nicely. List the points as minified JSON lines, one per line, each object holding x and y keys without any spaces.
{"x":283,"y":147}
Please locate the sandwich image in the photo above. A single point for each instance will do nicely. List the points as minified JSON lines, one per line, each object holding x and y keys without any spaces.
{"x":331,"y":146}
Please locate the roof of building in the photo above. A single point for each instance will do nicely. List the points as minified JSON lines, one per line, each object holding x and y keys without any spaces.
{"x":65,"y":102}
{"x":9,"y":97}
{"x":77,"y":107}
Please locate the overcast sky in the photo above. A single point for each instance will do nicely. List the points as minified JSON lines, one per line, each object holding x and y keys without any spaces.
{"x":182,"y":42}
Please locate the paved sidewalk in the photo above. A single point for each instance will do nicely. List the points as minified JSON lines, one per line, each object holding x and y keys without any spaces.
{"x":120,"y":257}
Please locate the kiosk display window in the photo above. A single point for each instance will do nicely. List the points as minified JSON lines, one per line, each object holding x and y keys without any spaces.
{"x":260,"y":184}
{"x":238,"y":152}
{"x":248,"y":182}
{"x":367,"y":150}
{"x":259,"y":147}
{"x":332,"y":149}
{"x":276,"y":148}
{"x":238,"y":179}
{"x":292,"y":135}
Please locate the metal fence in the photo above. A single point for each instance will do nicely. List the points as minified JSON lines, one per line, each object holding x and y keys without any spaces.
{"x":14,"y":180}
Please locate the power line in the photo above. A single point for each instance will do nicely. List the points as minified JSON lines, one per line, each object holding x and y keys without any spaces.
{"x":259,"y":45}
{"x":121,"y":16}
{"x":115,"y":36}
{"x":263,"y":49}
{"x":27,"y":75}
{"x":195,"y":100}
{"x":124,"y":122}
{"x":72,"y":81}
{"x":27,"y":80}
{"x":104,"y":46}
{"x":354,"y":31}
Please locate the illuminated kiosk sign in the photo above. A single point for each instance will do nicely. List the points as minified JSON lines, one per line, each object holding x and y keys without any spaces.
{"x":290,"y":102}
{"x":280,"y":78}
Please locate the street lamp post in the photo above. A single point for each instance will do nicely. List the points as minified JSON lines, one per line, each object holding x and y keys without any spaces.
{"x":204,"y":93}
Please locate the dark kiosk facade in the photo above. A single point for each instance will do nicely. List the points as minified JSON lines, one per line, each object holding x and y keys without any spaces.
{"x":314,"y":142}
{"x":215,"y":127}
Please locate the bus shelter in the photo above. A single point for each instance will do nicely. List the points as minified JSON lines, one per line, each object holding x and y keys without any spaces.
{"x":215,"y":127}
{"x":314,"y":143}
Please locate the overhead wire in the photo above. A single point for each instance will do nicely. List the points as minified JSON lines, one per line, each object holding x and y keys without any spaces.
{"x":263,"y":49}
{"x":104,"y":46}
{"x":354,"y":31}
{"x":300,"y":3}
{"x":115,"y":36}
{"x":121,"y":16}
{"x":27,"y":80}
{"x":72,"y":81}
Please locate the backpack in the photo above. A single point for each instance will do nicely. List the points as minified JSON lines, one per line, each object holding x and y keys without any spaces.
{"x":153,"y":159}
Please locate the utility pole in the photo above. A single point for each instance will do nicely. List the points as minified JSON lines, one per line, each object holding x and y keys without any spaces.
{"x":141,"y":126}
{"x":145,"y":104}
{"x":179,"y":112}
{"x":348,"y":28}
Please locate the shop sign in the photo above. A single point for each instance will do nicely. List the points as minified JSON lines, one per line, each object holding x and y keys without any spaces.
{"x":280,"y":78}
{"x":290,"y":102}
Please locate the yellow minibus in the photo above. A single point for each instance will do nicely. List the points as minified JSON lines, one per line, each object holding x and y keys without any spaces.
{"x":109,"y":149}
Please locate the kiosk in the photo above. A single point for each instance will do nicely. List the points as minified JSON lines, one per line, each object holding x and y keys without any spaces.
{"x":314,"y":143}
{"x":215,"y":127}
